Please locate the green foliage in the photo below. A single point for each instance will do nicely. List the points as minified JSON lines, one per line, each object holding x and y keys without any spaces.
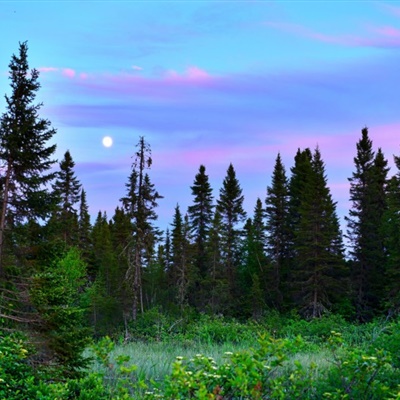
{"x":250,"y":374}
{"x":17,"y":380}
{"x":56,"y":294}
{"x":357,"y":373}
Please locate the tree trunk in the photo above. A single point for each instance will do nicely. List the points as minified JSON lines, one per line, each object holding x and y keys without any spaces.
{"x":4,"y":214}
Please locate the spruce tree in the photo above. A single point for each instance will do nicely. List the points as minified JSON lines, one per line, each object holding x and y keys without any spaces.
{"x":364,"y":226}
{"x":180,"y":274}
{"x":200,"y":215}
{"x":277,"y":227}
{"x":300,"y":173}
{"x":24,"y":151}
{"x":67,"y":190}
{"x":391,"y":233}
{"x":139,"y":204}
{"x":318,"y":246}
{"x":216,"y":283}
{"x":230,"y":207}
{"x":84,"y":229}
{"x":105,"y":293}
{"x":254,"y":262}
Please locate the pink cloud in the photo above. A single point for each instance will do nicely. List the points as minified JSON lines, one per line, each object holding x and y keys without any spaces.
{"x":83,"y":76}
{"x":388,"y":31}
{"x":192,"y":74}
{"x":381,"y":36}
{"x":68,"y":72}
{"x":137,"y":68}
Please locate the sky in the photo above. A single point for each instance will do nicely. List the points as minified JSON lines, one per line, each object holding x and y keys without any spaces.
{"x":212,"y":83}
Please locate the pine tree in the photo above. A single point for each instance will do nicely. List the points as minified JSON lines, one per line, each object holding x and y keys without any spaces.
{"x":277,"y":227}
{"x":230,"y":207}
{"x":57,"y":294}
{"x":318,"y":245}
{"x":300,"y":173}
{"x":364,"y":226}
{"x":181,"y":274}
{"x":200,"y":216}
{"x":391,"y":233}
{"x":106,"y":290}
{"x":216,"y":284}
{"x":84,"y":229}
{"x":67,"y":190}
{"x":24,"y":152}
{"x":139,"y":204}
{"x":254,"y":262}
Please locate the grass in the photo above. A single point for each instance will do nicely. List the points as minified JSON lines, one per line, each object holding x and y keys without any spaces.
{"x":154,"y":359}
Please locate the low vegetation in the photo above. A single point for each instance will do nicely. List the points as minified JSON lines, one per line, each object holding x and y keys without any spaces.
{"x":216,"y":358}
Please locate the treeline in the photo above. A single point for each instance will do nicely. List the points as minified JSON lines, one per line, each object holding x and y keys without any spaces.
{"x":55,"y":266}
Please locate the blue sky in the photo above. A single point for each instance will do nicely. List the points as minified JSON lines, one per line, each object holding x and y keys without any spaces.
{"x":210,"y":82}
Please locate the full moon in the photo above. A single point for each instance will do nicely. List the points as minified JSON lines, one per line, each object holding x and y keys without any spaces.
{"x":107,"y":141}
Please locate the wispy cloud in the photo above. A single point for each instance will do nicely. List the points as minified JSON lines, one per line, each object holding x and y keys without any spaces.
{"x":68,"y":72}
{"x":381,"y":37}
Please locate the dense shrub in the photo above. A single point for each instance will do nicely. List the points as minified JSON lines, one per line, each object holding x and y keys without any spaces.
{"x":17,"y":379}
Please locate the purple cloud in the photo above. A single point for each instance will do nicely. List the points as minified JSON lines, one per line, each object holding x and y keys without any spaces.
{"x":385,"y":37}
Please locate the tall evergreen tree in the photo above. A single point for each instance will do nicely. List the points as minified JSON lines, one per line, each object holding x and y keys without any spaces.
{"x":181,"y":274}
{"x":200,"y":217}
{"x":277,"y":227}
{"x":25,"y":154}
{"x":67,"y":190}
{"x":364,"y":226}
{"x":391,"y":233}
{"x":84,"y":229}
{"x":216,"y":283}
{"x":106,"y":289}
{"x":140,"y":203}
{"x":230,"y":207}
{"x":300,"y":173}
{"x":318,"y":245}
{"x":254,"y":262}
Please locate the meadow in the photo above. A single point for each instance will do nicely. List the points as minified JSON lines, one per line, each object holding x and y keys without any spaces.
{"x":274,"y":358}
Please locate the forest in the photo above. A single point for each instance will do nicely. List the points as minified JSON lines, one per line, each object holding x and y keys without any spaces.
{"x":273,"y":285}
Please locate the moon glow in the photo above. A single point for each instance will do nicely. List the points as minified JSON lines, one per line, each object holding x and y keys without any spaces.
{"x":107,"y":141}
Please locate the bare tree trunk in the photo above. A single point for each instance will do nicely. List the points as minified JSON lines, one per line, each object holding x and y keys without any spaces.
{"x":4,"y":214}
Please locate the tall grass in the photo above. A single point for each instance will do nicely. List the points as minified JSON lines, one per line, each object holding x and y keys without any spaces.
{"x":154,"y":359}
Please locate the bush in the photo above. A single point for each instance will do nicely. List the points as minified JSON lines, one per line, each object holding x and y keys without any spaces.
{"x":17,"y":379}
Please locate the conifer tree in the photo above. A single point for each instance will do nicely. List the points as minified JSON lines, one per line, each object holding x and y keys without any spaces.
{"x":254,"y":262}
{"x":200,"y":217}
{"x":230,"y":207}
{"x":167,"y":252}
{"x":300,"y":173}
{"x":107,"y":284}
{"x":67,"y":190}
{"x":391,"y":233}
{"x":139,"y":204}
{"x":84,"y":229}
{"x":364,"y":226}
{"x":25,"y":154}
{"x":216,"y":283}
{"x":181,"y":274}
{"x":277,"y":227}
{"x":318,"y":245}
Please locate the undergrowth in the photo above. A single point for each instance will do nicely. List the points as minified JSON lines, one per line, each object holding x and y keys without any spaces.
{"x":215,"y":358}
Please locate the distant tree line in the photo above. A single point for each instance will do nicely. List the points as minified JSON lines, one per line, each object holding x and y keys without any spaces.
{"x":61,"y":274}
